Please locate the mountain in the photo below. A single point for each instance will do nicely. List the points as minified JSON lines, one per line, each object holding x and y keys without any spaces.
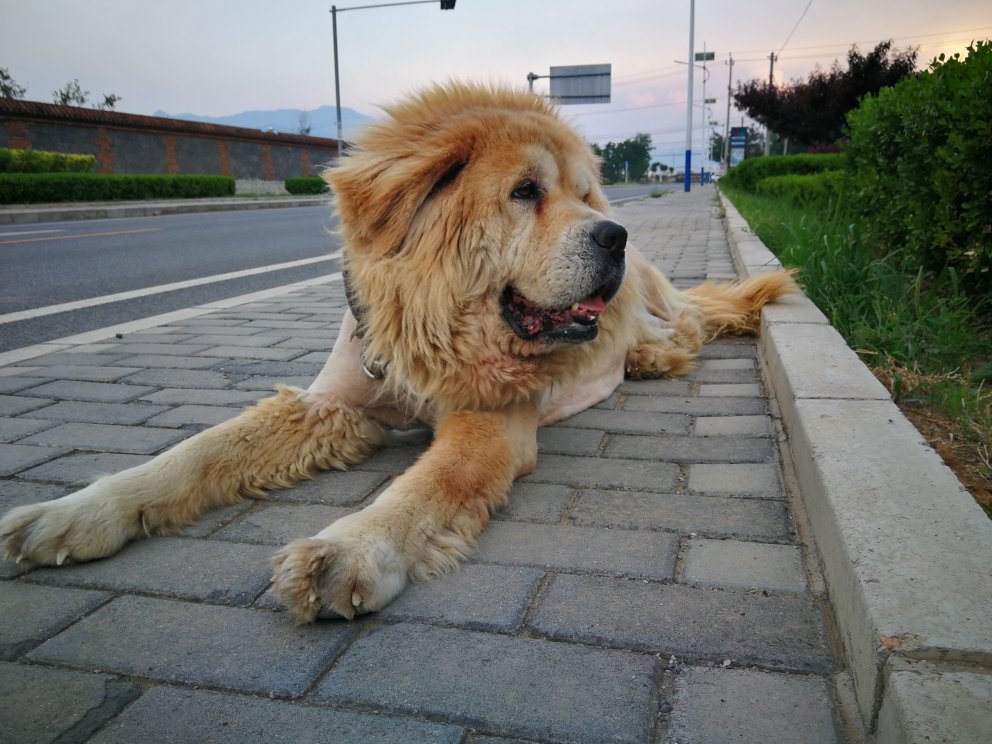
{"x":322,"y":121}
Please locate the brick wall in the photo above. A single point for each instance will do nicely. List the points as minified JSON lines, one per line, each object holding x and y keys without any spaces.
{"x":129,"y":143}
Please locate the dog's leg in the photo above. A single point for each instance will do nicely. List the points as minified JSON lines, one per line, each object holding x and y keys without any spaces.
{"x":270,"y":445}
{"x":424,"y":524}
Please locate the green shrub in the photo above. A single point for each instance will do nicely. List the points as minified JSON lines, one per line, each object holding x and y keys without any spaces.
{"x":24,"y":188}
{"x":746,"y":175}
{"x":810,"y":189}
{"x":307,"y":185}
{"x":919,"y":156}
{"x":42,"y":161}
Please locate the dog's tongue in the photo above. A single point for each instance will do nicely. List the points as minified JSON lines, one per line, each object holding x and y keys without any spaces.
{"x":590,"y":305}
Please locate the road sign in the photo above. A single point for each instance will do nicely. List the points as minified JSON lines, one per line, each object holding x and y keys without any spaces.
{"x":738,"y":144}
{"x":581,"y":83}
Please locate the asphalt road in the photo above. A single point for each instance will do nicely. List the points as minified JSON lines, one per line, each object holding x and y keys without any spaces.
{"x":47,"y":265}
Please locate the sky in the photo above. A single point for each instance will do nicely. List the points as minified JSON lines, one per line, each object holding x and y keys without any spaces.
{"x":217,"y":57}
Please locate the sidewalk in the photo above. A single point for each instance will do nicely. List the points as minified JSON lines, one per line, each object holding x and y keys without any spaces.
{"x":654,"y":580}
{"x":27,"y":214}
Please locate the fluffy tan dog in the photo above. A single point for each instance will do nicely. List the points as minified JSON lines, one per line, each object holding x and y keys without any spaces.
{"x":491,"y":293}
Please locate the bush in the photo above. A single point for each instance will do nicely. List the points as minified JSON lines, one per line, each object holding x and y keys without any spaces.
{"x":24,"y":188}
{"x":919,"y":157}
{"x":811,"y":189}
{"x":42,"y":161}
{"x":746,"y":175}
{"x":308,"y":185}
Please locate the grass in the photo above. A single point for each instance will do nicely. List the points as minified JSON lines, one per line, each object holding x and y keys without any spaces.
{"x":929,"y":343}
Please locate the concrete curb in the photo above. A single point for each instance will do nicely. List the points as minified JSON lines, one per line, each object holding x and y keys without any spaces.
{"x":906,"y":552}
{"x":35,"y":213}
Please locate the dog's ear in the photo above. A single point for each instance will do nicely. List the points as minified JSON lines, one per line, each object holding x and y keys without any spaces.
{"x":378,"y":192}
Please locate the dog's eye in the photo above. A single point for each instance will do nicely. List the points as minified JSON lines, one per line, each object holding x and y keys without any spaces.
{"x":527,"y":190}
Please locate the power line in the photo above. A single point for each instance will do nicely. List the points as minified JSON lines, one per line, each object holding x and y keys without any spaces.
{"x":796,"y":26}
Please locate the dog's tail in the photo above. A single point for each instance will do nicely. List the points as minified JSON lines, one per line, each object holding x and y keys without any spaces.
{"x":735,"y":306}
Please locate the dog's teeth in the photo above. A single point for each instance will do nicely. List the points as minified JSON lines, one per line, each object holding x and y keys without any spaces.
{"x":312,"y":599}
{"x":356,"y":599}
{"x":60,"y":558}
{"x":575,"y":307}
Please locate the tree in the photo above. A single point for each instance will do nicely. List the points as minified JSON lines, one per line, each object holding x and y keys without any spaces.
{"x":9,"y":87}
{"x":814,"y":112}
{"x":629,"y":158}
{"x":304,"y":122}
{"x":109,"y":102}
{"x":71,"y":94}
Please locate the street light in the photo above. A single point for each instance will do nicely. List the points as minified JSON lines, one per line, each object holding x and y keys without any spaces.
{"x":445,"y":5}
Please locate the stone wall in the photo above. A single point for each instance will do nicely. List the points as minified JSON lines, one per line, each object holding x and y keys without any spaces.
{"x":129,"y":143}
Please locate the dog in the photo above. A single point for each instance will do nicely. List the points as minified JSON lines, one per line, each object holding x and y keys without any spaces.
{"x":490,"y":293}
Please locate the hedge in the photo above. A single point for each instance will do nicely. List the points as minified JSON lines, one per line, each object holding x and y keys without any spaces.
{"x":920,"y":155}
{"x":803,"y":190}
{"x":24,"y":188}
{"x":43,"y":161}
{"x":307,"y":185}
{"x":746,"y":175}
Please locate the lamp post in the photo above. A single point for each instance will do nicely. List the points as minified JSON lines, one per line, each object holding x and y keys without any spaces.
{"x":688,"y":107}
{"x":445,"y":5}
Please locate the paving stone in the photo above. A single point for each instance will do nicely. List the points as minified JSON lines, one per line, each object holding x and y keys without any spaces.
{"x":727,"y":364}
{"x":333,"y":488}
{"x":33,"y":613}
{"x":655,"y":387}
{"x":277,"y":524}
{"x":734,"y":390}
{"x":13,"y":384}
{"x":188,"y":415}
{"x":510,"y":686}
{"x":728,"y":350}
{"x":77,"y":357}
{"x":704,"y":375}
{"x":141,"y":440}
{"x":87,"y":372}
{"x":249,"y":368}
{"x":100,"y":392}
{"x":732,"y":426}
{"x":598,"y":472}
{"x":98,"y":413}
{"x":270,"y":383}
{"x":168,"y":714}
{"x":163,"y":360}
{"x":47,"y":705}
{"x":17,"y":457}
{"x":180,"y":378}
{"x":14,"y":405}
{"x":696,"y":406}
{"x":690,"y":449}
{"x":224,"y":339}
{"x":695,"y":624}
{"x":757,"y":480}
{"x":174,"y":397}
{"x":640,"y":554}
{"x":247,"y":352}
{"x":535,"y":502}
{"x":173,"y":566}
{"x":482,"y":597}
{"x":80,"y":469}
{"x":252,"y":651}
{"x":715,"y":516}
{"x":12,"y":429}
{"x":157,"y":347}
{"x":631,"y":422}
{"x":744,"y":565}
{"x":757,"y":707}
{"x":561,"y":441}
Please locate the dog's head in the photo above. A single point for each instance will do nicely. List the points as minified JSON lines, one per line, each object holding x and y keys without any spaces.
{"x":476,"y":234}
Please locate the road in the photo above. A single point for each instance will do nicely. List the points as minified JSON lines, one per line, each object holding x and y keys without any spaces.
{"x":61,"y":279}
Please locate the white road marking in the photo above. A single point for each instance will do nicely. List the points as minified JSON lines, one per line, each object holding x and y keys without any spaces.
{"x":39,"y":312}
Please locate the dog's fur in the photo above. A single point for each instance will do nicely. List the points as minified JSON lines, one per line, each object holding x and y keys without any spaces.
{"x":479,"y":255}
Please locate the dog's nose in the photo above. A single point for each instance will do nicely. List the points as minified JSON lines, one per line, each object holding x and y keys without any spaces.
{"x":611,"y":237}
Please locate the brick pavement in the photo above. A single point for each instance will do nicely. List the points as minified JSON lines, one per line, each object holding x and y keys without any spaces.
{"x":644,"y":584}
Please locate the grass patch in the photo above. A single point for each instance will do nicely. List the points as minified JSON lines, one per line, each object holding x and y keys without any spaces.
{"x":926,"y":340}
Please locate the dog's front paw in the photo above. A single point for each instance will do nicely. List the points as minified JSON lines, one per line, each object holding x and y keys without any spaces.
{"x":347,"y":575}
{"x":80,"y":527}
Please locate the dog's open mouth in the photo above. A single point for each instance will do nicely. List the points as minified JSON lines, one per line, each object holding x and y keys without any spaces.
{"x":572,"y":324}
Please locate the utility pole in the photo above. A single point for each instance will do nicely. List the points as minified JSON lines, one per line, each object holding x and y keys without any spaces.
{"x":771,"y":81}
{"x":688,"y":103}
{"x":726,"y":130}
